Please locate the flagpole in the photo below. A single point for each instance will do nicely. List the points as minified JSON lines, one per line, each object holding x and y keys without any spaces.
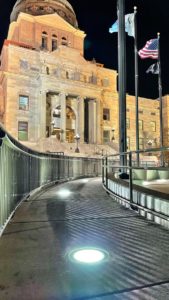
{"x":122,"y":80}
{"x":136,"y":83}
{"x":160,"y":99}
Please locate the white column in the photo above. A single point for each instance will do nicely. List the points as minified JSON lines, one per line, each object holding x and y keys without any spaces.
{"x":77,"y":116}
{"x":98,"y":122}
{"x":80,"y":116}
{"x":92,"y":121}
{"x":63,"y":116}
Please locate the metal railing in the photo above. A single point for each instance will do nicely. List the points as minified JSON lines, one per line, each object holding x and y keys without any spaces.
{"x":135,"y":173}
{"x":23,"y":170}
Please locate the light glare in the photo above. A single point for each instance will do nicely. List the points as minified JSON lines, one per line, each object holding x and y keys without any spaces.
{"x":89,"y":256}
{"x":85,"y":180}
{"x":64,"y":193}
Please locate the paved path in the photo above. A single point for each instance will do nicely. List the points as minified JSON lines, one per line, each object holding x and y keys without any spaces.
{"x":34,"y":261}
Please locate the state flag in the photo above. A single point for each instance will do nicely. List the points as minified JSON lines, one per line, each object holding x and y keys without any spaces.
{"x":129,"y":25}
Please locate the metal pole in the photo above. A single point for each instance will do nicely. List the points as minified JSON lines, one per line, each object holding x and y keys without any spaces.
{"x":136,"y":83}
{"x":58,"y":168}
{"x":160,"y":99}
{"x":122,"y":80}
{"x":130,"y":177}
{"x":68,"y":167}
{"x":106,"y":162}
{"x":103,"y":170}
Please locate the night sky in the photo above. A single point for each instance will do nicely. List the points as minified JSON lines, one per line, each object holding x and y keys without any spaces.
{"x":95,"y":18}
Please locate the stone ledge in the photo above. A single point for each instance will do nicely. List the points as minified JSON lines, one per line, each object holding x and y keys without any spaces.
{"x":139,"y":188}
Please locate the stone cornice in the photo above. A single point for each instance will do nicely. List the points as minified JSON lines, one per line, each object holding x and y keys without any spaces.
{"x":53,"y":20}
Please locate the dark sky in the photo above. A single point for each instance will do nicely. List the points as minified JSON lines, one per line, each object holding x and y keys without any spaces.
{"x":95,"y":18}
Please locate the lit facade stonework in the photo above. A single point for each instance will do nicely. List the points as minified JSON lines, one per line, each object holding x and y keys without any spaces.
{"x":47,"y":88}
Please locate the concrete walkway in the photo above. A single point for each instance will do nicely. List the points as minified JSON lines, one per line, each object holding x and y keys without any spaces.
{"x":35,"y":247}
{"x":159,"y":185}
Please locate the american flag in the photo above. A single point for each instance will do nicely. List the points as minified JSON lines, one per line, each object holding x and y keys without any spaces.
{"x":150,"y":50}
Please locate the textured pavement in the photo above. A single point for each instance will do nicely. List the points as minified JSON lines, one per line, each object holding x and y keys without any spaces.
{"x":35,"y":247}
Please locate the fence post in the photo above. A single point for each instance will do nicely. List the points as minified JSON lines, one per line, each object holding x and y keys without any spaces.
{"x":106,"y":163}
{"x":58,"y":168}
{"x":103,"y":170}
{"x":68,"y":167}
{"x":130,"y":177}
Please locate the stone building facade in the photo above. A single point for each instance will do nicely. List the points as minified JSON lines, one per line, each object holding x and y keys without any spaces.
{"x":47,"y":88}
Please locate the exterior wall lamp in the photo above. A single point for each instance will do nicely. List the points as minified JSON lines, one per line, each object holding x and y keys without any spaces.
{"x":77,"y":138}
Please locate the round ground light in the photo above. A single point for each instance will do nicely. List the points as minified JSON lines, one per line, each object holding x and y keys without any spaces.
{"x":88,"y":255}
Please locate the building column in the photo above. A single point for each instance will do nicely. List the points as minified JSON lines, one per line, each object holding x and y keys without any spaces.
{"x":92,"y":121}
{"x":53,"y":106}
{"x":63,"y":117}
{"x":80,"y":118}
{"x":98,"y":122}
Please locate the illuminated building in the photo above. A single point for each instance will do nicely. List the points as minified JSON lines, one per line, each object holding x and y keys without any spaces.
{"x":49,"y":91}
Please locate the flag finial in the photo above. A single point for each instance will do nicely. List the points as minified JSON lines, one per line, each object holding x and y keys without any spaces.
{"x":135,"y":8}
{"x":158,"y":34}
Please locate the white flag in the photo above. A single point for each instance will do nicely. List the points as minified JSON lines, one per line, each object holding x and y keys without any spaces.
{"x":129,"y":25}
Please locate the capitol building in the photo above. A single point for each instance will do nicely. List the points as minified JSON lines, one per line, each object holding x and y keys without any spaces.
{"x":49,"y":92}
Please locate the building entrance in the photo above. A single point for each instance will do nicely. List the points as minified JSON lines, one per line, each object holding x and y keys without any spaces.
{"x":70,"y":133}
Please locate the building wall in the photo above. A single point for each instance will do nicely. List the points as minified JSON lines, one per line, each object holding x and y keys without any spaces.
{"x":149,"y":117}
{"x":28,"y":30}
{"x":165,"y":105}
{"x":67,"y":81}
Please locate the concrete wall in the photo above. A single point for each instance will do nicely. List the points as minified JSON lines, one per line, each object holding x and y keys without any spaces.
{"x":146,"y":202}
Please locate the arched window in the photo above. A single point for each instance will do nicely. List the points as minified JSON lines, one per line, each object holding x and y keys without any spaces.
{"x":64,"y":41}
{"x":44,"y":44}
{"x":54,"y":42}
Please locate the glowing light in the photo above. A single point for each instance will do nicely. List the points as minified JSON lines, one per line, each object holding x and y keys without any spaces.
{"x":88,"y":256}
{"x":85,"y":180}
{"x":64,"y":193}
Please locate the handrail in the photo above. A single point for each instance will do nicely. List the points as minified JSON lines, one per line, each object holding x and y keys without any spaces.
{"x":23,"y":170}
{"x":141,"y":151}
{"x":131,"y":171}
